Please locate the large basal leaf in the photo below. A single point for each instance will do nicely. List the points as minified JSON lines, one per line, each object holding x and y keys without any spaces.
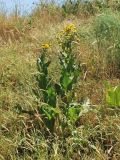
{"x":73,"y":113}
{"x":113,"y":96}
{"x":51,"y":96}
{"x":49,"y":112}
{"x":66,"y":81}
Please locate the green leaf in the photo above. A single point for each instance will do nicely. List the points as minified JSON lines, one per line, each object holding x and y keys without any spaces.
{"x":49,"y":112}
{"x":73,"y":113}
{"x":66,"y":81}
{"x":113,"y":96}
{"x":51,"y":96}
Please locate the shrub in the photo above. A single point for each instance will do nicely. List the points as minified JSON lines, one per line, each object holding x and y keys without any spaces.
{"x":78,"y":7}
{"x":70,"y":7}
{"x":114,"y":4}
{"x":106,"y":28}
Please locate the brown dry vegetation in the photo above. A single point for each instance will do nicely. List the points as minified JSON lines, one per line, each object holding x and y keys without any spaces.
{"x":20,"y":41}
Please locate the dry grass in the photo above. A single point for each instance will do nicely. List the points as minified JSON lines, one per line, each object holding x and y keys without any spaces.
{"x":20,"y":40}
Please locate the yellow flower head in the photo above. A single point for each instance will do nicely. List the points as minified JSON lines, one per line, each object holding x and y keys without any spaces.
{"x":45,"y":46}
{"x":70,"y":28}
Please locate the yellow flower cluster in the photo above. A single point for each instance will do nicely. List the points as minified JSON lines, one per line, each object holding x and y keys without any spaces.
{"x":70,"y":28}
{"x":45,"y":46}
{"x":67,"y":34}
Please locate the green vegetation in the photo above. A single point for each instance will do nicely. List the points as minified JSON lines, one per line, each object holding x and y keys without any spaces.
{"x":60,"y":82}
{"x":106,"y":30}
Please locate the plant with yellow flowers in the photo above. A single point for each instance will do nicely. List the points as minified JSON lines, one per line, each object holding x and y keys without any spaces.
{"x":64,"y":89}
{"x":67,"y":36}
{"x":45,"y":46}
{"x":69,"y":69}
{"x":70,"y":72}
{"x":48,"y":107}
